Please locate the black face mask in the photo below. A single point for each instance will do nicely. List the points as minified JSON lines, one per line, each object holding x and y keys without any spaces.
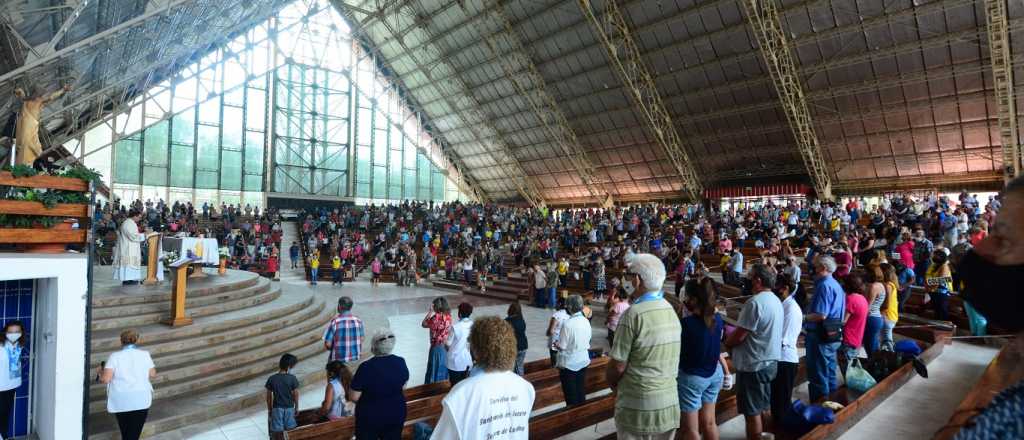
{"x":995,"y":291}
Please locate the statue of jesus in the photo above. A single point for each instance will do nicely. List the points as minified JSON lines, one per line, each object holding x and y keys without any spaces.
{"x":26,"y":133}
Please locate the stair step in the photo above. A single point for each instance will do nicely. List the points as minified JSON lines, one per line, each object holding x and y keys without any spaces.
{"x":151,"y":318}
{"x":224,"y":342}
{"x":162,"y":306}
{"x":235,"y":280}
{"x":109,"y":340}
{"x":504,"y":296}
{"x":170,"y":414}
{"x":224,"y":370}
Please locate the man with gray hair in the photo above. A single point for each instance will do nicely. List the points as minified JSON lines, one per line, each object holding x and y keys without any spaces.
{"x":756,"y":348}
{"x":823,"y":329}
{"x":645,"y":356}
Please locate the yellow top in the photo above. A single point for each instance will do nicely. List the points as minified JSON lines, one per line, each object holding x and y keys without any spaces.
{"x":938,"y":276}
{"x":336,"y":262}
{"x":314,"y":262}
{"x":890,"y":310}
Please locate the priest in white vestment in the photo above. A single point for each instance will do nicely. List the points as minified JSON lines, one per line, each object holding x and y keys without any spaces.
{"x":128,"y":250}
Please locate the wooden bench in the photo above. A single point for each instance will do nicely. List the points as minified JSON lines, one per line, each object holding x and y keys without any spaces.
{"x":424,"y":402}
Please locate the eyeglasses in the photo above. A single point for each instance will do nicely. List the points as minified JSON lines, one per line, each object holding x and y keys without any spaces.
{"x":385,"y":337}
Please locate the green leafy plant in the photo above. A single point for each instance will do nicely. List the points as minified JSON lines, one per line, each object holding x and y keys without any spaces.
{"x":20,"y":170}
{"x":78,"y":171}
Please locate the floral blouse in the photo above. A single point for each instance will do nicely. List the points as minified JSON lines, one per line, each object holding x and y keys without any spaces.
{"x":440,"y":325}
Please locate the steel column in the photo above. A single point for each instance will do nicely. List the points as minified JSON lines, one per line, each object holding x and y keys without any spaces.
{"x":531,"y":86}
{"x":763,"y":16}
{"x":1002,"y":77}
{"x":625,"y":56}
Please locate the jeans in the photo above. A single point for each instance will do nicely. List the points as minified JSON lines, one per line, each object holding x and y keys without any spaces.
{"x":573,"y":385}
{"x":520,"y":363}
{"x":871,"y":328}
{"x":782,"y":388}
{"x":887,"y":341}
{"x":538,"y":296}
{"x":313,"y":274}
{"x":821,"y":366}
{"x":553,"y":296}
{"x":282,"y":419}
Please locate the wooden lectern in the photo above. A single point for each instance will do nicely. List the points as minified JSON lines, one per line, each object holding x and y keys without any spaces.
{"x":152,"y":258}
{"x":179,"y":277}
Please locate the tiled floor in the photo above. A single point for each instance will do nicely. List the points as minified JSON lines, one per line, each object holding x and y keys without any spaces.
{"x":928,"y":400}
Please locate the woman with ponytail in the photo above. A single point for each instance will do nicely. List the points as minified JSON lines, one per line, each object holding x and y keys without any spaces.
{"x":702,"y":365}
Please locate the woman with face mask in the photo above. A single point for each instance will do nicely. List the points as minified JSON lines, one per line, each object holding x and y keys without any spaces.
{"x":11,"y":371}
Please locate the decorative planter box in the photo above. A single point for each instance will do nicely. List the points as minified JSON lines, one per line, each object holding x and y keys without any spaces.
{"x":58,"y":236}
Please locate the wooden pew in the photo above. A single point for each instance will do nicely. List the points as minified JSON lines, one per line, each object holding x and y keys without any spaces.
{"x":1004,"y":371}
{"x":423,"y":403}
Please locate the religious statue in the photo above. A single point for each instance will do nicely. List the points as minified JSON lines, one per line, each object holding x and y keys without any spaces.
{"x":128,"y":250}
{"x":27,"y":131}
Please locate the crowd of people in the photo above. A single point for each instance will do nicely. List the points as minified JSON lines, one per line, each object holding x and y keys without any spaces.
{"x":667,"y":357}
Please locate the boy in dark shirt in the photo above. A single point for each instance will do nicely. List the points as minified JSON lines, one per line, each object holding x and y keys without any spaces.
{"x":283,"y":397}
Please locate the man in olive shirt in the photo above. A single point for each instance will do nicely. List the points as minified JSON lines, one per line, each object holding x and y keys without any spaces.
{"x":645,"y":357}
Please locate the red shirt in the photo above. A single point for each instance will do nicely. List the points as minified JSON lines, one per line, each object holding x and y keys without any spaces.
{"x":440,"y":325}
{"x":853,"y":331}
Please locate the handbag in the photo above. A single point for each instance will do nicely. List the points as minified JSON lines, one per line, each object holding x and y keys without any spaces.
{"x":831,"y":330}
{"x":857,"y":378}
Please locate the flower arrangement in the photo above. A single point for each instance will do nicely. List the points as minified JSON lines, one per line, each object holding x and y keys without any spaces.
{"x":169,"y":257}
{"x":224,"y":253}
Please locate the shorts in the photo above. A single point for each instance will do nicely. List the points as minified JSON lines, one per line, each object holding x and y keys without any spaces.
{"x":282,"y":419}
{"x":754,"y":390}
{"x":695,"y":391}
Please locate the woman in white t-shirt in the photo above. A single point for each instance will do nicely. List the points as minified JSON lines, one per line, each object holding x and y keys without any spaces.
{"x":494,"y":403}
{"x":10,"y":371}
{"x":129,"y":392}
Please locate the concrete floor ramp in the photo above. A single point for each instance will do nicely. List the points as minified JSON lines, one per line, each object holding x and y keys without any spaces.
{"x":216,"y":366}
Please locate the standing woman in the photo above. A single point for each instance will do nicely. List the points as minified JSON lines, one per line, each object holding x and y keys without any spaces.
{"x":129,"y":393}
{"x":876,"y":294}
{"x":515,"y":319}
{"x":939,"y":283}
{"x":573,"y":355}
{"x":702,"y":364}
{"x":14,"y":348}
{"x":439,"y":322}
{"x":890,"y":309}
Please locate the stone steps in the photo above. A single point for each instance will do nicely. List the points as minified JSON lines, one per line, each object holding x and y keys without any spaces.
{"x":105,"y":341}
{"x":192,"y":300}
{"x":171,"y":414}
{"x":501,"y":296}
{"x":180,"y":349}
{"x":254,"y":299}
{"x":222,"y":369}
{"x":127,"y":295}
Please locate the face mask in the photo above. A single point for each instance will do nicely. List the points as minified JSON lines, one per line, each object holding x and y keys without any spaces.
{"x":994,"y":290}
{"x":13,"y":337}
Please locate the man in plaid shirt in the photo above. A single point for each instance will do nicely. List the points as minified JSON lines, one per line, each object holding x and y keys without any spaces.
{"x":344,"y":335}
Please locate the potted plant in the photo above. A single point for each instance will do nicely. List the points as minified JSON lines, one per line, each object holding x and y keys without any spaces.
{"x":225,"y":255}
{"x":169,"y":257}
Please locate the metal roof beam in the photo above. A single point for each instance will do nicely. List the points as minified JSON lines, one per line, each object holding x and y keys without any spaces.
{"x":1002,"y":77}
{"x":531,"y":86}
{"x":882,"y":20}
{"x":96,"y":38}
{"x":729,"y":86}
{"x":763,"y":16}
{"x":624,"y":54}
{"x":513,"y":169}
{"x":68,"y":22}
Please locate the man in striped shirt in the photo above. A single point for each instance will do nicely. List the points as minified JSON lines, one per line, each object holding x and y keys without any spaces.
{"x":344,"y":335}
{"x":645,"y":356}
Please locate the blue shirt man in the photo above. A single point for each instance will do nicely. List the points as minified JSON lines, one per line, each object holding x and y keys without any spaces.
{"x":829,"y":303}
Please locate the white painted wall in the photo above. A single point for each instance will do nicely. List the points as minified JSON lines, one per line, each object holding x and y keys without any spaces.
{"x":59,"y":342}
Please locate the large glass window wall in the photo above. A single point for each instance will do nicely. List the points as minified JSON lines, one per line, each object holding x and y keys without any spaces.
{"x":292,"y":106}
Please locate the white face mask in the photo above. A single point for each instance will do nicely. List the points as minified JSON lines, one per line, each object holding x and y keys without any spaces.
{"x":13,"y":337}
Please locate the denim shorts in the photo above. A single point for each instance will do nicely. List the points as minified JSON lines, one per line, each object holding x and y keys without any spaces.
{"x":695,"y":391}
{"x":282,"y":419}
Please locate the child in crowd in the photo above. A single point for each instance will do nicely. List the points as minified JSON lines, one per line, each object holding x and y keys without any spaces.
{"x":339,"y":379}
{"x":282,"y":397}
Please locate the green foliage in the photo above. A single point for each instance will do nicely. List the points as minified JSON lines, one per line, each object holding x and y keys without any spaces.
{"x":28,"y":221}
{"x":78,"y":171}
{"x":20,"y":170}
